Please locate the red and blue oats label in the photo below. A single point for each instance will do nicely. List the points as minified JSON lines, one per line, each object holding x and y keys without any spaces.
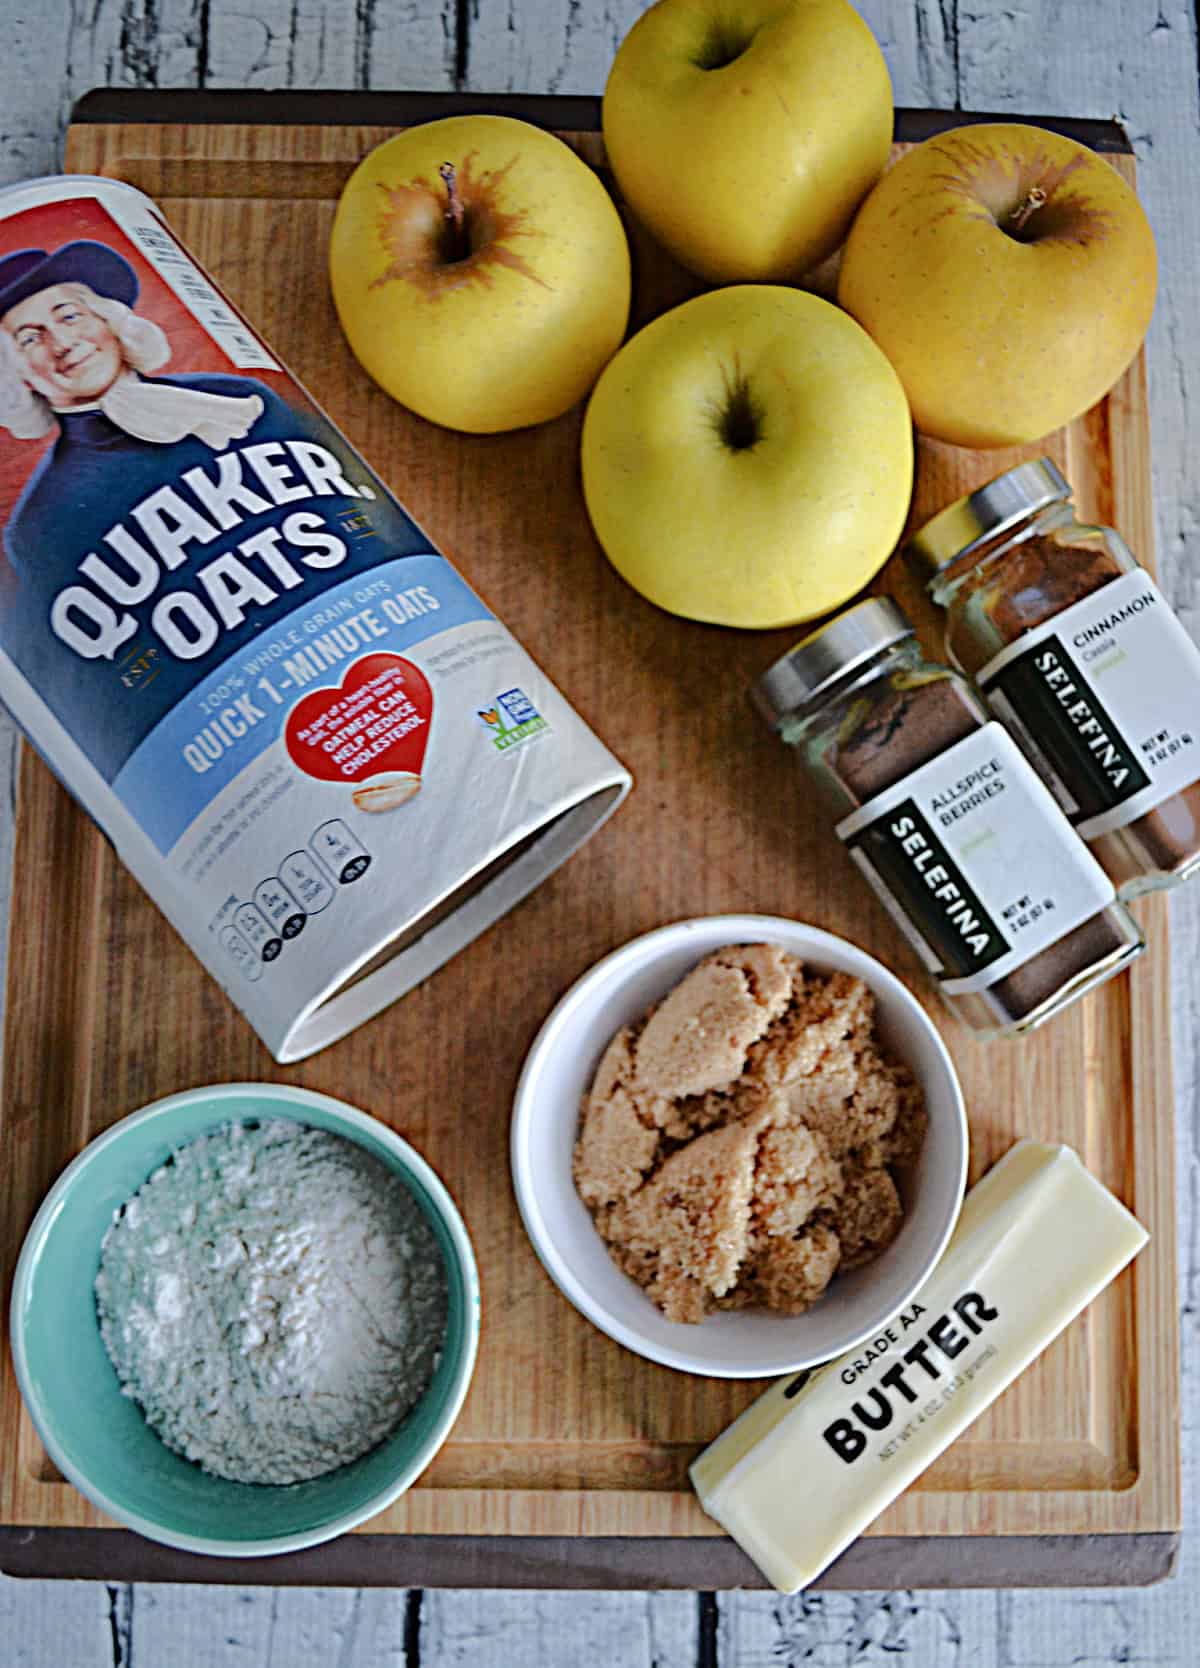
{"x":326,"y":760}
{"x":189,"y":546}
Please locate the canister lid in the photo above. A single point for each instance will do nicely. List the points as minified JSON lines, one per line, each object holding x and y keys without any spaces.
{"x":989,"y":510}
{"x":819,"y":660}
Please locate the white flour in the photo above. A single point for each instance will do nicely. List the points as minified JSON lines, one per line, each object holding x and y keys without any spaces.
{"x":274,"y":1300}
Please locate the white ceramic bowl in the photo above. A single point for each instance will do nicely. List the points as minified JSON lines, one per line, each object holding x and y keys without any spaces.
{"x":737,"y":1343}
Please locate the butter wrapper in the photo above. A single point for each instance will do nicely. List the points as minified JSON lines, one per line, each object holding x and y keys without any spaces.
{"x":806,"y":1468}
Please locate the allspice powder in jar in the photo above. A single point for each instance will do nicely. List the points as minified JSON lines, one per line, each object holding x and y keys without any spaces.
{"x":1076,"y":650}
{"x":945,"y":818}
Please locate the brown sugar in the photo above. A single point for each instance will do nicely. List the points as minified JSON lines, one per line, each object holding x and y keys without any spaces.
{"x":869,"y":1216}
{"x":792,"y":1271}
{"x":697,"y":1037}
{"x":694,"y":1214}
{"x":796,"y":1176}
{"x":729,"y":1138}
{"x":615,"y":1149}
{"x":822,"y":1015}
{"x":902,"y":1143}
{"x":618,"y":1142}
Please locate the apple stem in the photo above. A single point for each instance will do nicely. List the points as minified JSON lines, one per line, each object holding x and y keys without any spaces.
{"x":455,"y":213}
{"x":1034,"y":200}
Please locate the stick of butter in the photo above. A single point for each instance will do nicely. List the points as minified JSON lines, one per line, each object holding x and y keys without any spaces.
{"x":810,"y":1464}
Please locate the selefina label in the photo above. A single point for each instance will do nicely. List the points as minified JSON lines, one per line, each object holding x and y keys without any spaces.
{"x":974,"y":859}
{"x":1107,"y":695}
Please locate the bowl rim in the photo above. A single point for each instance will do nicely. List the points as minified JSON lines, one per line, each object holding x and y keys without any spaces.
{"x":748,"y":928}
{"x":297,"y":1098}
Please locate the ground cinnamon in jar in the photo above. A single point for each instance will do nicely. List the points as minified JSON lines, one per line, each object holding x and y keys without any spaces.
{"x":1077,"y":652}
{"x":948,"y":822}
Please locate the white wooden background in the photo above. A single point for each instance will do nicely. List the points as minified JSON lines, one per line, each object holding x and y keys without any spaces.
{"x":1136,"y":60}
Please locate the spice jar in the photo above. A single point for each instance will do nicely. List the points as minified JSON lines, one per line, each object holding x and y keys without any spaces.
{"x":1074,"y":647}
{"x":962,"y":842}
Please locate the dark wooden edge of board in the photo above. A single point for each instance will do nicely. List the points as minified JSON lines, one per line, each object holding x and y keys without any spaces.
{"x":600,"y":1563}
{"x":191,"y":105}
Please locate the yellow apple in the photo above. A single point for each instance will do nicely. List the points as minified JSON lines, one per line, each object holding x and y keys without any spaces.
{"x":744,"y":133}
{"x":748,"y":458}
{"x":480,"y":272}
{"x":1008,"y":274}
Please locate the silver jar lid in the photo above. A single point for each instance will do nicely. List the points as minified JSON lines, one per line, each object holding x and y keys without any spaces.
{"x":821,"y":659}
{"x":956,"y":531}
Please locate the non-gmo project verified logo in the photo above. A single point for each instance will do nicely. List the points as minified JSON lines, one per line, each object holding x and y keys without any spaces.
{"x":511,"y":719}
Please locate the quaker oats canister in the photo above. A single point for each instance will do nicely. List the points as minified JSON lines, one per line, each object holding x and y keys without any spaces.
{"x":322,"y":755}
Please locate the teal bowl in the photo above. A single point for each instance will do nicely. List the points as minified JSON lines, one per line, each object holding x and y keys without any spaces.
{"x":98,"y":1438}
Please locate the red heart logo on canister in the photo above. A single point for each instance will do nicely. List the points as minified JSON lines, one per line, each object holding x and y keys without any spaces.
{"x":375,"y":720}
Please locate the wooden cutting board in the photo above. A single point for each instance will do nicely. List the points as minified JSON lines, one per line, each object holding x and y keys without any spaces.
{"x":564,"y":1433}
